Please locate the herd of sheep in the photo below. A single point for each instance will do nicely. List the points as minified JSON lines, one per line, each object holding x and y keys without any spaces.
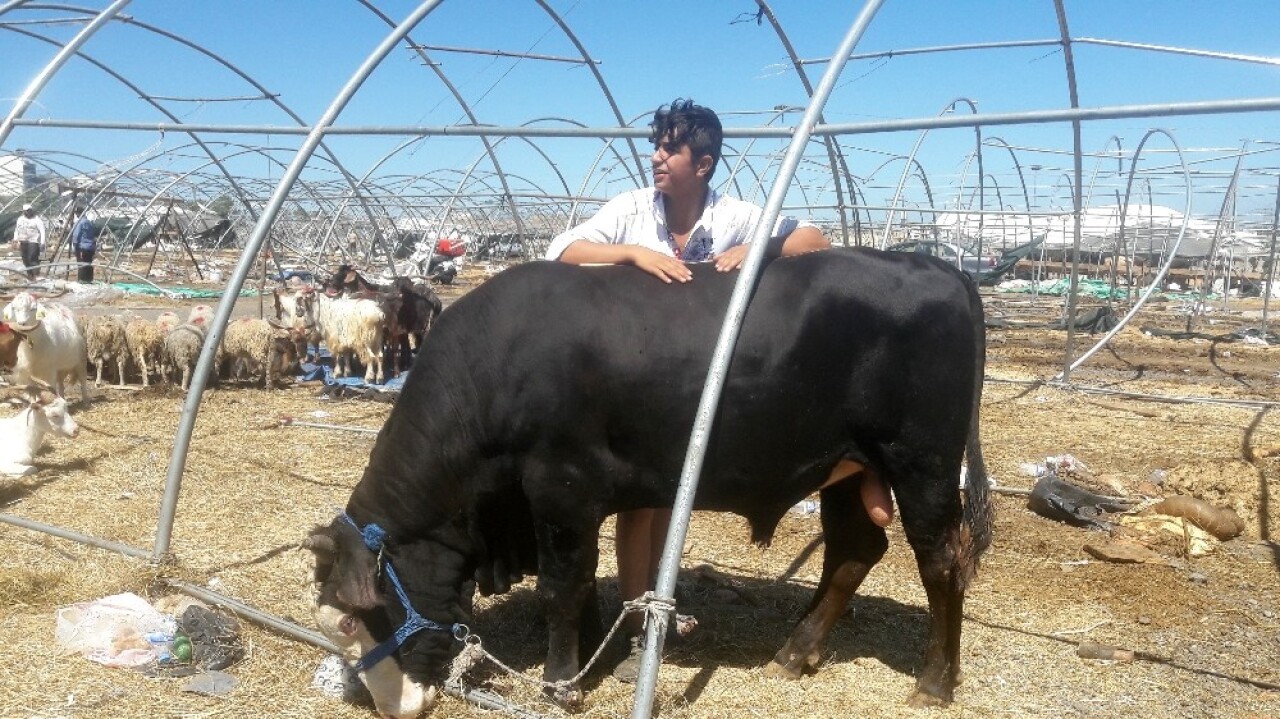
{"x":49,"y":348}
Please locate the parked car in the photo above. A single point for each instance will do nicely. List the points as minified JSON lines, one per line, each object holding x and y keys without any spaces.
{"x":974,"y":265}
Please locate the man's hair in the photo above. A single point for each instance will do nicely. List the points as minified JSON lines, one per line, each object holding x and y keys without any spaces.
{"x":684,"y":123}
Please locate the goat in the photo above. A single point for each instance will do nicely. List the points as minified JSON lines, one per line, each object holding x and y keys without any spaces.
{"x":21,"y":435}
{"x":52,"y":349}
{"x":353,"y":326}
{"x":297,"y":311}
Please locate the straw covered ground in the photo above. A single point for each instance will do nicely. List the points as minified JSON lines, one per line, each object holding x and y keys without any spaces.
{"x":1206,"y":630}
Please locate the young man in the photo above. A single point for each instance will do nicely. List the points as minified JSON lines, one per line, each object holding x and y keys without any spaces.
{"x":29,"y":236}
{"x":84,"y":243}
{"x":681,"y":219}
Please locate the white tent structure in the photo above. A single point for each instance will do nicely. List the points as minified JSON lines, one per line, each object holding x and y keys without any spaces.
{"x":1148,"y":231}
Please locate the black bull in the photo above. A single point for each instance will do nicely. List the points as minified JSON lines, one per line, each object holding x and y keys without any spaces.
{"x":553,"y":396}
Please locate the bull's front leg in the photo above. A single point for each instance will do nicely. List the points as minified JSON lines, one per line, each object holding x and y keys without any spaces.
{"x":567,"y":558}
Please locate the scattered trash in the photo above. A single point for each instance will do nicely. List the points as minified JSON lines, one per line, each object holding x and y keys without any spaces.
{"x":124,"y":630}
{"x":1090,"y":650}
{"x":806,"y":506}
{"x":1193,"y":541}
{"x":214,"y":684}
{"x":112,"y":631}
{"x":335,"y":679}
{"x":1124,"y":552}
{"x":1222,"y":522}
{"x":215,"y":637}
{"x":1060,"y":500}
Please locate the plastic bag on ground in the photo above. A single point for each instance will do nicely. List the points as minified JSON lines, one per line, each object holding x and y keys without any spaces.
{"x":112,"y":630}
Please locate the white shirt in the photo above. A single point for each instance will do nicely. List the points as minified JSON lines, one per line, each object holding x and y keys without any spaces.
{"x":639,"y":218}
{"x":29,"y":229}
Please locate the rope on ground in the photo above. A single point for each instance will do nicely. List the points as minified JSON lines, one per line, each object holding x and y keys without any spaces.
{"x":473,"y":651}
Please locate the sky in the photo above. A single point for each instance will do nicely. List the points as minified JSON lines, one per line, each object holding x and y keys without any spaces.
{"x":652,"y":51}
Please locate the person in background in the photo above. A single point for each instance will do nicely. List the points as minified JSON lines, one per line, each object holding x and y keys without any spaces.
{"x":680,"y":219}
{"x":84,"y":243}
{"x":29,"y":237}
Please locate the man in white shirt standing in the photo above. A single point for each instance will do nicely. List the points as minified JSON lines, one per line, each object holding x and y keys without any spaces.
{"x":29,"y":237}
{"x":680,"y":219}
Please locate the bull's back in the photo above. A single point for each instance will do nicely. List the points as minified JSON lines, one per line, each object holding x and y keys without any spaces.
{"x":550,"y":352}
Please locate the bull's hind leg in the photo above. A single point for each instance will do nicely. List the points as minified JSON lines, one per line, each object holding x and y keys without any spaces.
{"x":853,"y":545}
{"x":933,"y":529}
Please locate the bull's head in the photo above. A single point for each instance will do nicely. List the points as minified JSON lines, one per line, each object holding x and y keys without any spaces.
{"x":401,"y":660}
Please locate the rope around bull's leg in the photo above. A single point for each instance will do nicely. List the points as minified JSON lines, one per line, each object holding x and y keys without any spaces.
{"x":473,"y":650}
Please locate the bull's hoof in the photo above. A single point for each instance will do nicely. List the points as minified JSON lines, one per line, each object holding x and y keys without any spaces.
{"x":791,"y":666}
{"x":567,"y":698}
{"x":921,"y":699}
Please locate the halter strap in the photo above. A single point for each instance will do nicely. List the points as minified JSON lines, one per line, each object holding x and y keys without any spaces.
{"x":375,"y":538}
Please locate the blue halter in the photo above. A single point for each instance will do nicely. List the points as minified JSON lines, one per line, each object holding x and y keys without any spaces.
{"x":374,"y":537}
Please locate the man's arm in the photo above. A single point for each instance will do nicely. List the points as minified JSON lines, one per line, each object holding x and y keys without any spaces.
{"x":804,"y":239}
{"x":585,"y":252}
{"x":801,"y":240}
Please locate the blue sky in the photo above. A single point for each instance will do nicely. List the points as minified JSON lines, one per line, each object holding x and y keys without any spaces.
{"x":653,"y":51}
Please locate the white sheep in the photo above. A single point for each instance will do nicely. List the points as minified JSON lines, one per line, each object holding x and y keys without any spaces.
{"x":201,"y":316}
{"x":21,"y":435}
{"x":167,"y":321}
{"x":146,"y":344}
{"x":182,"y":352}
{"x":262,"y":345}
{"x":352,"y":326}
{"x":105,"y":341}
{"x":52,"y":348}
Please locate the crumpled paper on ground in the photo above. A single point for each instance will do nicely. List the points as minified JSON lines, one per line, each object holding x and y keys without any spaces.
{"x":1198,"y":542}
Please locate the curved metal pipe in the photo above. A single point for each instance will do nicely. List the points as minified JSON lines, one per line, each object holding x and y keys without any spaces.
{"x":33,"y":89}
{"x":902,"y":181}
{"x":655,"y":631}
{"x":834,"y":155}
{"x":1164,"y":269}
{"x":191,"y":407}
{"x":1068,"y":58}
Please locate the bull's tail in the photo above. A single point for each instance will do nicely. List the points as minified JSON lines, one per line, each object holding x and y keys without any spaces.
{"x":978,"y":518}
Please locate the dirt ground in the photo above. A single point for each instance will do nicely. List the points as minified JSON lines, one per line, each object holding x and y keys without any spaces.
{"x":1206,"y":630}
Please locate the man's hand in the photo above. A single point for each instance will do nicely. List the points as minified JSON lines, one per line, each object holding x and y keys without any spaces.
{"x":666,"y":268}
{"x":732,"y":258}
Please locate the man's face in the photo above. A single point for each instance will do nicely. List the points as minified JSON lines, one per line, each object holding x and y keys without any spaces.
{"x":675,"y":171}
{"x":29,"y":212}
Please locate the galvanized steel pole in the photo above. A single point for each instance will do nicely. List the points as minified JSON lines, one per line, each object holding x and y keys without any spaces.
{"x":656,"y":626}
{"x":29,"y":95}
{"x":182,"y":442}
